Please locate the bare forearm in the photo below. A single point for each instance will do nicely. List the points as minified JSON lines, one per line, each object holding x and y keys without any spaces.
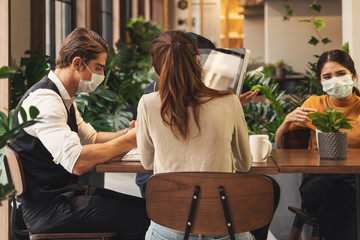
{"x":103,"y":137}
{"x":94,"y":154}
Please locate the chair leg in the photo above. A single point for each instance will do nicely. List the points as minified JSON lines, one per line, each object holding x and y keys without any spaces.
{"x":296,"y":228}
{"x":316,"y":232}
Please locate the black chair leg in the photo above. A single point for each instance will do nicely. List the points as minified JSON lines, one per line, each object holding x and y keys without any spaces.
{"x":296,"y":228}
{"x":316,"y":232}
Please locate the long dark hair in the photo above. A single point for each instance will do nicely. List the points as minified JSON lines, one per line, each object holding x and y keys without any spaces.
{"x":342,"y":58}
{"x":174,"y":58}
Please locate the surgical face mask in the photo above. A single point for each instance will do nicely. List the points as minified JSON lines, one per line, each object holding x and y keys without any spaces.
{"x":91,"y":85}
{"x":339,"y":87}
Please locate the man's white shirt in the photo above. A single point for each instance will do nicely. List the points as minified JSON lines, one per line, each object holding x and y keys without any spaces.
{"x":64,"y":145}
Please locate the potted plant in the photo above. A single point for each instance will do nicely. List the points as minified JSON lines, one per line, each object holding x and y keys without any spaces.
{"x":280,"y":70}
{"x":332,"y":142}
{"x":8,"y":132}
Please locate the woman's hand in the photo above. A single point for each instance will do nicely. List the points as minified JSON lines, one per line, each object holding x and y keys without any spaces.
{"x":299,"y":115}
{"x":247,"y":97}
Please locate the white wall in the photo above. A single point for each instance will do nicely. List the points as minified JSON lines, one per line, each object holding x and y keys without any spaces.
{"x":351,"y":30}
{"x":19,"y":30}
{"x":212,"y":9}
{"x":287,"y":40}
{"x":254,"y":34}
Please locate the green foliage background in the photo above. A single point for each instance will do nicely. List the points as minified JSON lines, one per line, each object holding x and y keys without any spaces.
{"x":128,"y":71}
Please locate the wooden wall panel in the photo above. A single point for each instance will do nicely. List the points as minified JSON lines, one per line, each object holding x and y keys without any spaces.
{"x":95,"y":15}
{"x":157,"y":13}
{"x":37,"y":39}
{"x":4,"y":53}
{"x":123,"y":19}
{"x":4,"y":98}
{"x":81,"y":13}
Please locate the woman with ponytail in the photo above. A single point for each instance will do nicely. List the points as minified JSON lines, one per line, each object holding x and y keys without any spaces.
{"x":187,"y":126}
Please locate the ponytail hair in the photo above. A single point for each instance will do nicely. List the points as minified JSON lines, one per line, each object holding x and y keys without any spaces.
{"x":174,"y":58}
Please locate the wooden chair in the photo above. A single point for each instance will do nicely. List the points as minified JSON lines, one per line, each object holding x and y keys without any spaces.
{"x":16,"y":177}
{"x":299,"y":139}
{"x":210,"y":203}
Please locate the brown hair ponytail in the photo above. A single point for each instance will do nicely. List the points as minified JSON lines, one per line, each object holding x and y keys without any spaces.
{"x":174,"y":58}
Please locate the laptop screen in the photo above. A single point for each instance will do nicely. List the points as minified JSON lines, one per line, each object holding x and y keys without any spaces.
{"x":224,"y":69}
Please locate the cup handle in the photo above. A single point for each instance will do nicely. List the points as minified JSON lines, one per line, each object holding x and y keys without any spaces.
{"x":269,"y":149}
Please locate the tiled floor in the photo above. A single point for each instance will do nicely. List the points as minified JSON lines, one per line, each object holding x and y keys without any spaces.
{"x":125,"y":183}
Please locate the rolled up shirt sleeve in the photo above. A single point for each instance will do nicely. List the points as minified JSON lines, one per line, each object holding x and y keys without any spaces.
{"x":52,"y":130}
{"x":86,"y":132}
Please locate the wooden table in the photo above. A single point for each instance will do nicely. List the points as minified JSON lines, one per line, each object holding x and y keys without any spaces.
{"x":269,"y":167}
{"x":308,"y":161}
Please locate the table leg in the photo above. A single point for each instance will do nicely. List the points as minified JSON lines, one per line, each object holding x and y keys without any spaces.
{"x":357,"y":190}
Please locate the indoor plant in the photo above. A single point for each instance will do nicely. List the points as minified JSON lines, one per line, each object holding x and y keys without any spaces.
{"x":332,"y":142}
{"x":8,"y":132}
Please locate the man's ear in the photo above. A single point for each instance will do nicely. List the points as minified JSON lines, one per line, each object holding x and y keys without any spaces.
{"x":76,"y":63}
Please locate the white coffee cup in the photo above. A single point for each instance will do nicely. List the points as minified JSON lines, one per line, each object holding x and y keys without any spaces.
{"x":260,"y":147}
{"x":317,"y":137}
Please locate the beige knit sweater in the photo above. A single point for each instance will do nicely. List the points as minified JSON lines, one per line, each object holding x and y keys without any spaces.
{"x":221,"y":146}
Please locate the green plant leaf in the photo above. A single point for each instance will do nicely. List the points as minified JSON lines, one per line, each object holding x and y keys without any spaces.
{"x":4,"y":121}
{"x":23,"y":114}
{"x":345,"y":47}
{"x":326,"y":40}
{"x":107,"y":95}
{"x":313,"y":41}
{"x":34,"y":112}
{"x":331,"y":121}
{"x":5,"y":191}
{"x":315,"y":7}
{"x":7,"y":72}
{"x":290,"y":12}
{"x":319,"y":23}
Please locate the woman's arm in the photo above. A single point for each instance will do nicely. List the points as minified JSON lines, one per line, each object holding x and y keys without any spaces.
{"x":298,"y":115}
{"x":144,"y":141}
{"x":240,"y":145}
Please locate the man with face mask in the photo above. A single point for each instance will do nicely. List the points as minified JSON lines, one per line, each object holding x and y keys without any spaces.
{"x":62,"y":146}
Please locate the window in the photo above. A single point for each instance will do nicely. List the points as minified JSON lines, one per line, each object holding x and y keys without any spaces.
{"x":59,"y":22}
{"x":106,"y":21}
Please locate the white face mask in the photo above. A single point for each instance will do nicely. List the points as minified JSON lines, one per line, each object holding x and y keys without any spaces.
{"x":339,"y":87}
{"x":90,"y":85}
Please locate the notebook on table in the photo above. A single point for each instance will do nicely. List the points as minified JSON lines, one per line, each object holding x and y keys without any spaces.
{"x":132,"y":155}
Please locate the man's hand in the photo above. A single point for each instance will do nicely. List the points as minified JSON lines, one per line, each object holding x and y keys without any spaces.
{"x":248,"y":96}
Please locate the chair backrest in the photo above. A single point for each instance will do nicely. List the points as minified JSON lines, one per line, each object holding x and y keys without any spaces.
{"x":297,"y":139}
{"x":15,"y":169}
{"x":250,"y":200}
